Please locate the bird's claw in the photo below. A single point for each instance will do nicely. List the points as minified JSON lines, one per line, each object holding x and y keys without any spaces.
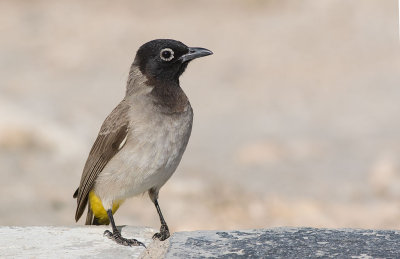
{"x":163,"y":234}
{"x":116,"y":236}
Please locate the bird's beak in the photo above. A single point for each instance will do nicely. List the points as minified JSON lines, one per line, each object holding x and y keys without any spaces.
{"x":195,"y":53}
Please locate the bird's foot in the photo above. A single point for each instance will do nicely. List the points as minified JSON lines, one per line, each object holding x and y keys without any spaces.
{"x":163,"y":234}
{"x":116,"y":236}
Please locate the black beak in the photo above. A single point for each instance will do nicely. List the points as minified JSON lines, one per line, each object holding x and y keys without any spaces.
{"x":195,"y":53}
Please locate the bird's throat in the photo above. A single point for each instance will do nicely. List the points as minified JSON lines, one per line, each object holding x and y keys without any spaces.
{"x":169,"y":97}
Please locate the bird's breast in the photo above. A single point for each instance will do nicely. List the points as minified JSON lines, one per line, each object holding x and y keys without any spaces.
{"x":152,"y":152}
{"x":159,"y":140}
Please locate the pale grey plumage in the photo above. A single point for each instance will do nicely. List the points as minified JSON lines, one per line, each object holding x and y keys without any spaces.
{"x":155,"y":137}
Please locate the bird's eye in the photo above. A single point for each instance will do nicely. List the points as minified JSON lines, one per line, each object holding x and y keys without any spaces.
{"x":167,"y":54}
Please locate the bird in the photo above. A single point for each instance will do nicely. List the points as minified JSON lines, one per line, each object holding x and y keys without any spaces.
{"x":141,"y":142}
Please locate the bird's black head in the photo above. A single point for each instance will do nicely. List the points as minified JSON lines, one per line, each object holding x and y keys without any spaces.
{"x":165,"y":59}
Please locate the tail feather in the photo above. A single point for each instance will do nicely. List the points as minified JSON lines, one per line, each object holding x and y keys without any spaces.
{"x":76,"y":193}
{"x":89,"y":216}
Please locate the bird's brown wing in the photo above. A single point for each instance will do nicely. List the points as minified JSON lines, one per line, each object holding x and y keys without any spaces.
{"x":110,"y":140}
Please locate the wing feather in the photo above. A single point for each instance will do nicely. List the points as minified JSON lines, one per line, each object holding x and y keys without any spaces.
{"x":110,"y":140}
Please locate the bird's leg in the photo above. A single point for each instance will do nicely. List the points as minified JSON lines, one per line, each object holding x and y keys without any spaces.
{"x":164,"y":231}
{"x":116,"y":235}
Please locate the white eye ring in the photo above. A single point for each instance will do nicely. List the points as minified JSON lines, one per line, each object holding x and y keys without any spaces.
{"x":171,"y":54}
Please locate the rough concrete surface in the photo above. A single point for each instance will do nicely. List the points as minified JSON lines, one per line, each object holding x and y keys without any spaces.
{"x":157,"y":249}
{"x":68,"y":242}
{"x":88,"y":242}
{"x":286,"y":243}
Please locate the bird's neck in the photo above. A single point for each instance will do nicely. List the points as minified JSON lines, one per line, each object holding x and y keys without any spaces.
{"x":169,"y":97}
{"x":136,"y":82}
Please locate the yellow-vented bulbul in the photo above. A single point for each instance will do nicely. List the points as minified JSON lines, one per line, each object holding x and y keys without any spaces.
{"x":141,"y":142}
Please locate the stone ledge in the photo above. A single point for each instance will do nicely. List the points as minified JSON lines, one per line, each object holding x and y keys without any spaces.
{"x":88,"y":241}
{"x":69,"y":242}
{"x":286,"y":243}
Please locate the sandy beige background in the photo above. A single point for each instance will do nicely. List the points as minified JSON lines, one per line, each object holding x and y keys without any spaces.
{"x":296,"y":113}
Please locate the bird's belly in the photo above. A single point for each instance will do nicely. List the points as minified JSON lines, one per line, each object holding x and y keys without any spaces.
{"x":148,"y":159}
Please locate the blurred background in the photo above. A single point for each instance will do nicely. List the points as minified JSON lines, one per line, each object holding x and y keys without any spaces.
{"x":296,"y":113}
